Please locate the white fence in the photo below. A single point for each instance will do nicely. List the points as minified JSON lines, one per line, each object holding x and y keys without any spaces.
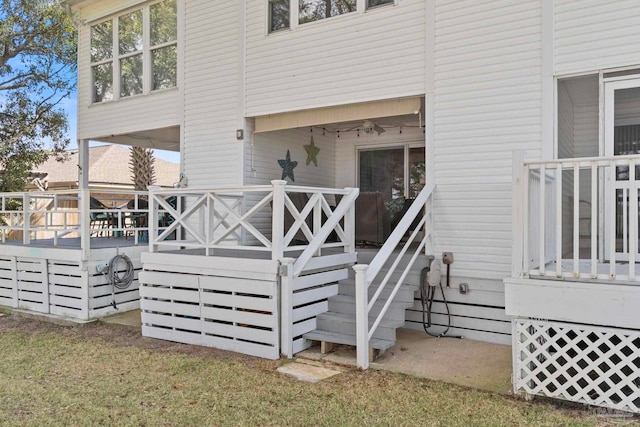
{"x":211,"y":302}
{"x":588,"y":209}
{"x":61,"y":216}
{"x":254,"y":304}
{"x":63,"y":287}
{"x":253,"y":218}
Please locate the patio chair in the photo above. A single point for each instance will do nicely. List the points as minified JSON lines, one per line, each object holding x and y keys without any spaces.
{"x":137,"y":219}
{"x":99,"y":222}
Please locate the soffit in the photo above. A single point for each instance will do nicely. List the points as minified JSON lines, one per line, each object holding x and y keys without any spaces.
{"x":338,"y":114}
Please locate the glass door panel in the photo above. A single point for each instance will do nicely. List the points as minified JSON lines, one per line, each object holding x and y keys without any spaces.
{"x":622,"y":138}
{"x":416,"y":171}
{"x":396,"y":172}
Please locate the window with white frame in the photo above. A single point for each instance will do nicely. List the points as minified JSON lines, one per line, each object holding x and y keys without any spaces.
{"x":280,"y":13}
{"x":315,"y":10}
{"x":376,"y":3}
{"x":135,"y":53}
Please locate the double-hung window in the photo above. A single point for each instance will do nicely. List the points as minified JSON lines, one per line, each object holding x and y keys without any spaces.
{"x":135,"y":53}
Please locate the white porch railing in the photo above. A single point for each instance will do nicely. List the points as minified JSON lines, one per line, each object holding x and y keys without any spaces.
{"x":253,"y":218}
{"x":419,"y":240}
{"x":588,"y":209}
{"x":70,"y":214}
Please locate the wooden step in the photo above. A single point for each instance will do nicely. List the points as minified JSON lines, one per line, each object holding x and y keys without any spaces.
{"x":407,"y":292}
{"x":347,"y":304}
{"x":346,"y":324}
{"x":346,"y":339}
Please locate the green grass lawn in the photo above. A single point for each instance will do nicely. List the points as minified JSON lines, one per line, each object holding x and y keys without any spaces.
{"x":106,"y":375}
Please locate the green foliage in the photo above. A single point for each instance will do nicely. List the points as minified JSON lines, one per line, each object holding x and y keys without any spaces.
{"x":37,"y":72}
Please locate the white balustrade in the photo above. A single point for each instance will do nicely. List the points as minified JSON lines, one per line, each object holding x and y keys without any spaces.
{"x":581,"y":224}
{"x":252,"y":218}
{"x":419,"y":239}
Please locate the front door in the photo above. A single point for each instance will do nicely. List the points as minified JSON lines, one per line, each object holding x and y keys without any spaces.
{"x":622,"y":138}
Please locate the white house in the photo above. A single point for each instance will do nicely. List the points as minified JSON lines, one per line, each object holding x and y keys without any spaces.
{"x":512,"y":124}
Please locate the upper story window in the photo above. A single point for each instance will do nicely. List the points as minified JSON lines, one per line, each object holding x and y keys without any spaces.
{"x":278,"y":15}
{"x":281,"y":15}
{"x":315,"y":10}
{"x":135,"y":53}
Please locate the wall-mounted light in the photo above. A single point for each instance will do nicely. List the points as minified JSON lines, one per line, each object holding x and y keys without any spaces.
{"x":239,"y":134}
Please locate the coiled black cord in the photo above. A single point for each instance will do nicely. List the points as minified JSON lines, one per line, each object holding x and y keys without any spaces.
{"x":427,"y":303}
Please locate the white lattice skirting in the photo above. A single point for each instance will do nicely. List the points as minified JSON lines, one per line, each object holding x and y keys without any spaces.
{"x":581,"y":363}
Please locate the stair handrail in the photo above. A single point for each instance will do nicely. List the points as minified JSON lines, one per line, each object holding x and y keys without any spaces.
{"x":366,"y":274}
{"x":346,"y":203}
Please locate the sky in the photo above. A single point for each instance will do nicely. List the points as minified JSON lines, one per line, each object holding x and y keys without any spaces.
{"x":70,"y":106}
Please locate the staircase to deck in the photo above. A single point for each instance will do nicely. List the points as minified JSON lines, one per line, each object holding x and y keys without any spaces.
{"x":338,"y":325}
{"x":367,"y":311}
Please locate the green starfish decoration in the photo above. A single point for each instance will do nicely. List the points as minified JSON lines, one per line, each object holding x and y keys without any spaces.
{"x":287,"y":167}
{"x":312,"y":152}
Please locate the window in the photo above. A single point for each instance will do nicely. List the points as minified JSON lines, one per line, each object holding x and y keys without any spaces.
{"x":280,"y":13}
{"x":376,"y":3}
{"x":123,"y":52}
{"x":315,"y":10}
{"x":396,"y":172}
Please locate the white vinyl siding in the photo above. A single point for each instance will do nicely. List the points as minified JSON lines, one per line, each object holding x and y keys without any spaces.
{"x":595,"y":34}
{"x":360,"y":56}
{"x":213,"y":77}
{"x":488,"y":102}
{"x":269,"y":147}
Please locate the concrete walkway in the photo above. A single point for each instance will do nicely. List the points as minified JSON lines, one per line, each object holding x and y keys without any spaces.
{"x":464,"y":362}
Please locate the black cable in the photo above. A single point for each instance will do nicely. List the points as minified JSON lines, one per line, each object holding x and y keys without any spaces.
{"x":117,"y":281}
{"x":427,"y":306}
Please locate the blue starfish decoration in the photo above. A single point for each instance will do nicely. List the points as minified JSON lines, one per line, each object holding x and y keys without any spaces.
{"x":287,"y":167}
{"x":312,"y":152}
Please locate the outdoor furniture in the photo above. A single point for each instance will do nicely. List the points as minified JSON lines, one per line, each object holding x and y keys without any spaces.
{"x":99,"y":222}
{"x":137,"y":219}
{"x":373,"y":223}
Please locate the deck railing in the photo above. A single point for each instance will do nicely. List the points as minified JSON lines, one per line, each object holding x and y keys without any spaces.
{"x":253,"y":218}
{"x":419,"y":239}
{"x":59,"y":216}
{"x":588,"y":209}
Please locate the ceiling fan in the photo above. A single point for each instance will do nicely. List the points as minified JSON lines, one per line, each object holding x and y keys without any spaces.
{"x":369,"y":127}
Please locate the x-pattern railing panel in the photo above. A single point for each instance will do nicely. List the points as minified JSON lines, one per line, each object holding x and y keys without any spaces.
{"x":593,"y":365}
{"x":242,"y":220}
{"x":210,"y":218}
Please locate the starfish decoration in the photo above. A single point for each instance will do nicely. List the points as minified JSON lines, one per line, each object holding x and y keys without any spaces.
{"x":287,"y":167}
{"x":312,"y":152}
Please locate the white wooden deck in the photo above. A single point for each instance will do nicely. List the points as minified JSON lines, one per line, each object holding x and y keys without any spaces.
{"x":74,"y":243}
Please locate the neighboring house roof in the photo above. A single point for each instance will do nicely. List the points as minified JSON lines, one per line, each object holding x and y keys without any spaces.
{"x":108,"y":165}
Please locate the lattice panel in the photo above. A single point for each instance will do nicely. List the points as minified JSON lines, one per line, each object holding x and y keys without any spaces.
{"x":597,"y":366}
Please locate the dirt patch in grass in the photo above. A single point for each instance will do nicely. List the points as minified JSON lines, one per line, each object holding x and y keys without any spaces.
{"x":110,"y":375}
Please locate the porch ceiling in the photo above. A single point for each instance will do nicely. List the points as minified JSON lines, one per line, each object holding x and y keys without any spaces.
{"x":341,"y":114}
{"x":162,"y":139}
